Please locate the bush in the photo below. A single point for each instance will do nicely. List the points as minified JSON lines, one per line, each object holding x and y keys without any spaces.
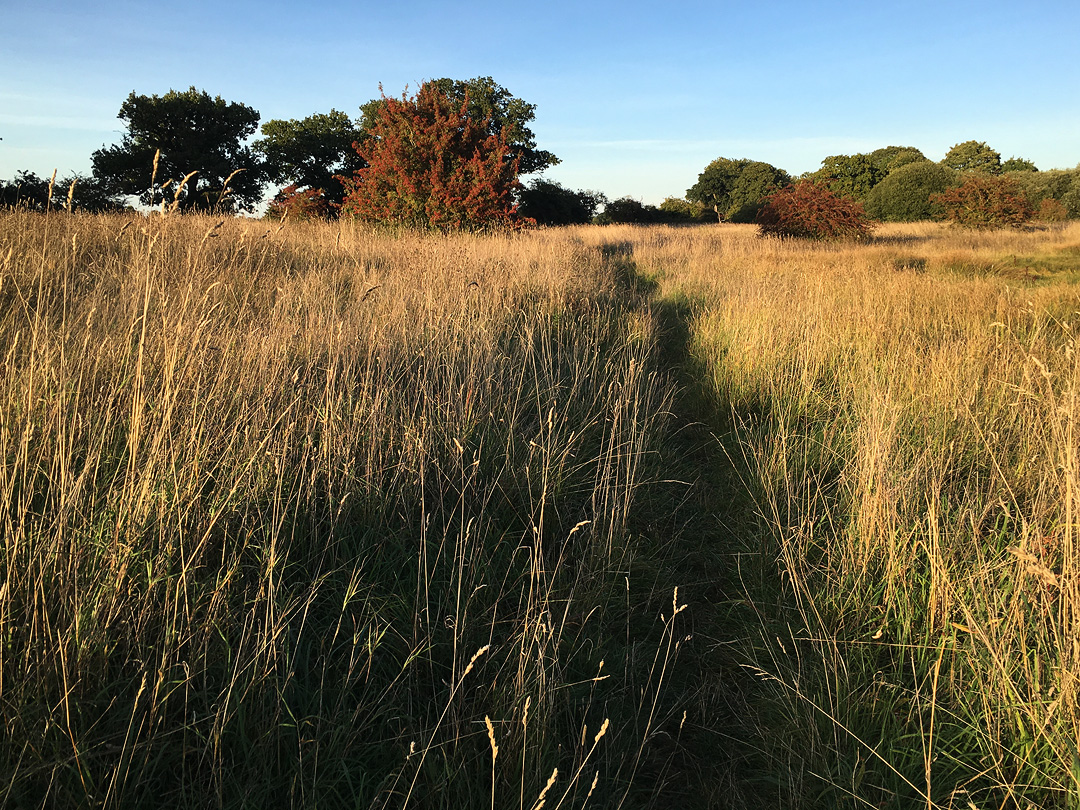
{"x":679,"y":210}
{"x":629,"y":210}
{"x":809,"y":210}
{"x":1050,"y":210}
{"x":299,"y":204}
{"x":984,"y":201}
{"x":549,"y":203}
{"x":904,"y":196}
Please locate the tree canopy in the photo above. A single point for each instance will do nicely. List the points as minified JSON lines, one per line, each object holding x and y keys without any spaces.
{"x":491,"y":102}
{"x":850,"y":175}
{"x":193,"y":132}
{"x":549,"y":203}
{"x":311,"y":153}
{"x":891,"y":158}
{"x":429,"y":163}
{"x":904,"y":196}
{"x":973,"y":156}
{"x":1015,"y":164}
{"x":734,"y":188}
{"x":75,"y":192}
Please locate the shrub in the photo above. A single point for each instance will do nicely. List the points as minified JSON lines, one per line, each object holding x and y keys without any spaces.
{"x":904,"y":196}
{"x":1050,"y":210}
{"x":629,"y":210}
{"x":549,"y":203}
{"x":299,"y":204}
{"x":810,"y":211}
{"x":678,"y":210}
{"x":984,"y":201}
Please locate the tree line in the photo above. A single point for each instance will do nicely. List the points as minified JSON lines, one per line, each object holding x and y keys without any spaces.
{"x":453,"y":154}
{"x":450,"y":156}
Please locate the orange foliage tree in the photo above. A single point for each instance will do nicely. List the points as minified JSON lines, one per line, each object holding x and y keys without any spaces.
{"x":429,"y":164}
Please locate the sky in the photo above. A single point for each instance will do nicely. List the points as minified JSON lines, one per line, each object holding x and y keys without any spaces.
{"x":635,"y":98}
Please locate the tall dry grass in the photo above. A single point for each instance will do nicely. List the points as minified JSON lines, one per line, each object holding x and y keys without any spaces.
{"x":314,"y":516}
{"x":908,"y":418}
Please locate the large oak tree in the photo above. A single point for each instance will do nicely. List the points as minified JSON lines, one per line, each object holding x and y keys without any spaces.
{"x":194,"y":133}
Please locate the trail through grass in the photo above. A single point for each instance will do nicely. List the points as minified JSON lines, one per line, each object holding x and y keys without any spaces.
{"x":620,"y":517}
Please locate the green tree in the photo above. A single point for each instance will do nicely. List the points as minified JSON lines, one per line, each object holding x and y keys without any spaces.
{"x":629,"y":210}
{"x":677,"y":210}
{"x":311,"y":154}
{"x":714,"y":185}
{"x":890,"y":158}
{"x":194,"y":132}
{"x":734,"y":189}
{"x":1015,"y":164}
{"x":755,"y":182}
{"x":849,"y":175}
{"x":549,"y":203}
{"x":1049,"y":185}
{"x":973,"y":156}
{"x":904,"y":196}
{"x":27,"y":191}
{"x":506,"y":116}
{"x":33,"y":193}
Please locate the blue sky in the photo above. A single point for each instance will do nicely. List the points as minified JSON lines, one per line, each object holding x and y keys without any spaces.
{"x":636,"y":98}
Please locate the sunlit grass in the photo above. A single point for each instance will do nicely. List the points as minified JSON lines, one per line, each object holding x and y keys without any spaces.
{"x":324,"y":516}
{"x":288,"y":513}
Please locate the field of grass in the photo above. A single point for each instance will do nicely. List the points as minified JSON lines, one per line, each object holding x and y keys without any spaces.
{"x":322,"y":516}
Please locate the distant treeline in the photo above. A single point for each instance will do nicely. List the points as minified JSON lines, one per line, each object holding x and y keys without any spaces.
{"x":407,"y":161}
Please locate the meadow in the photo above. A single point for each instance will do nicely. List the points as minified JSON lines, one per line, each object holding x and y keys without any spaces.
{"x":321,"y":515}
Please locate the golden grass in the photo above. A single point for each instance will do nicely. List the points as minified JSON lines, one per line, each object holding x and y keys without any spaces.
{"x":913,"y":436}
{"x":266,"y":491}
{"x":326,"y":515}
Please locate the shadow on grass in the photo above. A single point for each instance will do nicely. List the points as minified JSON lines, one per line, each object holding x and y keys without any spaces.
{"x":707,"y":540}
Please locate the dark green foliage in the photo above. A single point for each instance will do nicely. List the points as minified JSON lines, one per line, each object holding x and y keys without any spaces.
{"x":714,"y":184}
{"x":680,"y":210}
{"x":734,"y":189}
{"x":850,"y":175}
{"x":985,"y":202}
{"x":756,"y":181}
{"x":973,"y":156}
{"x":1015,"y":164}
{"x":549,"y":203}
{"x":1061,"y":185}
{"x":891,"y":158}
{"x":492,"y":102}
{"x":194,"y":133}
{"x":904,"y":196}
{"x":629,"y":210}
{"x":29,"y":191}
{"x":310,"y":153}
{"x":808,"y":210}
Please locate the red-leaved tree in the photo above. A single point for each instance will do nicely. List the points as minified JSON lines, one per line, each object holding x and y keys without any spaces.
{"x":430,"y":165}
{"x":985,"y":201}
{"x":811,"y":211}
